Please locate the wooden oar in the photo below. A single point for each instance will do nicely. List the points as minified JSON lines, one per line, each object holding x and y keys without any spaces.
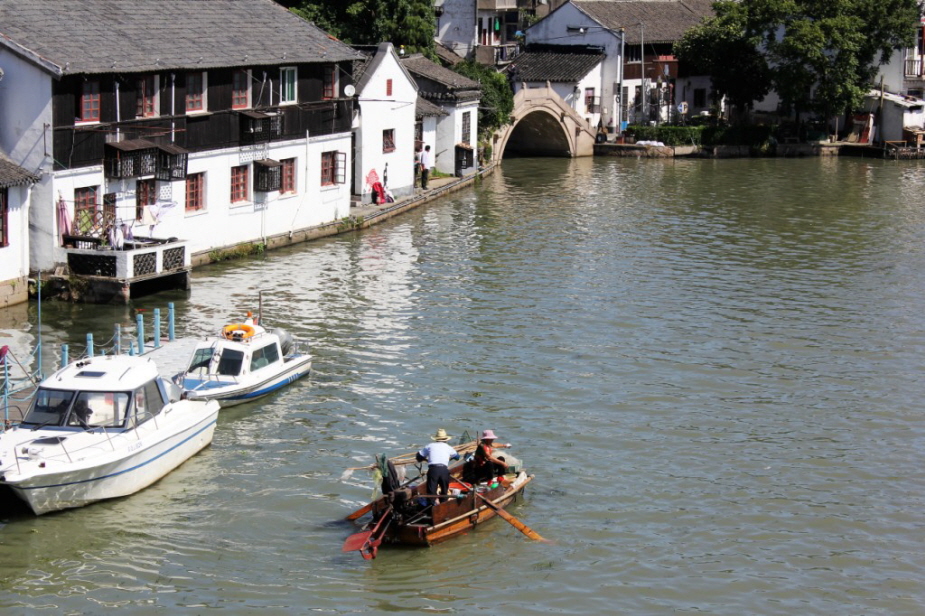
{"x":359,"y":513}
{"x":367,"y":542}
{"x":513,"y":521}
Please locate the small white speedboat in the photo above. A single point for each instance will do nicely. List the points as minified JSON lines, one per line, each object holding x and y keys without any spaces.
{"x":244,"y":363}
{"x":101,"y":428}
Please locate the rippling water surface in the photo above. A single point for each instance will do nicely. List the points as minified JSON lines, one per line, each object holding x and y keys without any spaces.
{"x":712,"y":367}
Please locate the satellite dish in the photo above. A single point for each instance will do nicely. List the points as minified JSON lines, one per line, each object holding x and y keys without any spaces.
{"x":350,"y":90}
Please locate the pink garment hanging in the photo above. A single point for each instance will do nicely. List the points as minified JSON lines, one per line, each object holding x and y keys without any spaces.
{"x":64,"y":224}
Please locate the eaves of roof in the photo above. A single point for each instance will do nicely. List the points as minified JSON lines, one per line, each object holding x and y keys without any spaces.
{"x":110,"y":36}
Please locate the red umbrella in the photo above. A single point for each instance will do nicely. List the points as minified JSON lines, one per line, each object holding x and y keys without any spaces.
{"x":64,"y":223}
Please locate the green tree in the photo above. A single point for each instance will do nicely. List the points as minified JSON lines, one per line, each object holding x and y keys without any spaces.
{"x":369,"y":22}
{"x":497,"y":101}
{"x":819,"y":56}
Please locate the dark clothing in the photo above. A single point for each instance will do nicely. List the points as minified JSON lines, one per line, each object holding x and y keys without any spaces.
{"x":425,"y":175}
{"x":438,"y":479}
{"x":481,"y":468}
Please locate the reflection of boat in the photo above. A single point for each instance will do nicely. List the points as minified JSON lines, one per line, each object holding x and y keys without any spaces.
{"x":244,"y":363}
{"x":101,"y":428}
{"x":405,"y":514}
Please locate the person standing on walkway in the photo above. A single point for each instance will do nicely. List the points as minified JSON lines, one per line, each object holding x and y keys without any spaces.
{"x":425,"y":166}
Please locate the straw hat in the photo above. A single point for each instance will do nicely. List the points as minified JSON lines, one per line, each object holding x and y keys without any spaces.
{"x":441,"y":435}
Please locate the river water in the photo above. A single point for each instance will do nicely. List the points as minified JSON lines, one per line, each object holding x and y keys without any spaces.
{"x":713,"y":368}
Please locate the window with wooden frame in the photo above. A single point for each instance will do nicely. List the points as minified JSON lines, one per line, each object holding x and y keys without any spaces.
{"x":329,"y":83}
{"x":388,"y":87}
{"x":85,"y":206}
{"x":239,"y":183}
{"x":109,"y":208}
{"x":146,"y":96}
{"x":195,"y":191}
{"x":4,"y":218}
{"x":590,"y":106}
{"x":388,"y":140}
{"x":195,"y":91}
{"x":145,"y":194}
{"x":287,"y":184}
{"x":333,"y":168}
{"x":90,"y":102}
{"x":288,"y":85}
{"x":241,"y":89}
{"x":466,"y":126}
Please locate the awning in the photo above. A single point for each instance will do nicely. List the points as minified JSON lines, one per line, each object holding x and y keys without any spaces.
{"x":172,"y":149}
{"x":268,"y":162}
{"x":132,"y":145}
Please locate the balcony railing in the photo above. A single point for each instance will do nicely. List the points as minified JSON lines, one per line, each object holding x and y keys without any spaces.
{"x":141,"y":258}
{"x":914,"y":67}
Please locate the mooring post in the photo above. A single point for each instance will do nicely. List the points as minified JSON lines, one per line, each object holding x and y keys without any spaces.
{"x":90,"y":345}
{"x":117,"y":336}
{"x":140,"y":323}
{"x":64,"y":350}
{"x":171,"y":314}
{"x":157,"y":328}
{"x":131,"y":347}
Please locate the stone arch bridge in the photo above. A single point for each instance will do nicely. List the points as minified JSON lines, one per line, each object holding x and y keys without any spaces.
{"x":543,"y":125}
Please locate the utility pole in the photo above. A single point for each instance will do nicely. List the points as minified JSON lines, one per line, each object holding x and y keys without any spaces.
{"x":642,"y":58}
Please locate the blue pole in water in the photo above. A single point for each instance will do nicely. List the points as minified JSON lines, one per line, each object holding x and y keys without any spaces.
{"x":157,"y":328}
{"x":117,"y":336}
{"x":39,"y":353}
{"x":139,"y":320}
{"x":6,"y":393}
{"x":171,"y":335}
{"x":64,"y":360}
{"x":131,"y":347}
{"x":89,"y":345}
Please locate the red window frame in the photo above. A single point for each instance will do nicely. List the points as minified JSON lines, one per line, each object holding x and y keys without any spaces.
{"x":195,"y":191}
{"x":90,"y":102}
{"x":4,"y":218}
{"x":239,"y":183}
{"x":388,"y":140}
{"x":287,"y":180}
{"x":145,"y":107}
{"x":195,"y":99}
{"x":328,"y":165}
{"x":240,"y":89}
{"x":145,"y":194}
{"x":388,"y":87}
{"x":85,"y":200}
{"x":330,"y":82}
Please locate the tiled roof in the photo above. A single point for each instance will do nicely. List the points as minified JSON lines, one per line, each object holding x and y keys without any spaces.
{"x":424,"y":107}
{"x":444,"y":84}
{"x":446,"y":54}
{"x":553,"y":66}
{"x":12,"y":174}
{"x":108,"y":36}
{"x":662,"y":21}
{"x":419,"y":65}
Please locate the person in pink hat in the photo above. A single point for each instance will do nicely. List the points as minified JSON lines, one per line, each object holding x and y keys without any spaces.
{"x":485,"y":466}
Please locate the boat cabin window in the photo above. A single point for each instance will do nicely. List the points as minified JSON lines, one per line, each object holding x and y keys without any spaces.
{"x":49,"y":407}
{"x":230,"y":362}
{"x":264,"y":357}
{"x":98,"y":409}
{"x":201,"y":359}
{"x":148,"y":402}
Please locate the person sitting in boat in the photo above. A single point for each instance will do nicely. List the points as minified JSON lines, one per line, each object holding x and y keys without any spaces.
{"x":438,"y":455}
{"x":484,"y":465}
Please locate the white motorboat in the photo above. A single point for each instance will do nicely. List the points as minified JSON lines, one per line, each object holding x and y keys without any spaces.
{"x":245,"y":362}
{"x":101,"y":428}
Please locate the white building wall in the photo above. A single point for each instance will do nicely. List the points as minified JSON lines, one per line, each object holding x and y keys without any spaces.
{"x":559,"y":28}
{"x":380,"y":112}
{"x":220,"y":223}
{"x":457,"y":27}
{"x":25,"y":110}
{"x":450,"y":132}
{"x":14,"y":258}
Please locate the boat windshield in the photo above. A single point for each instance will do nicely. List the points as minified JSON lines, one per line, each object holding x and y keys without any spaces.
{"x":201,"y":359}
{"x":230,"y":362}
{"x":86,"y":409}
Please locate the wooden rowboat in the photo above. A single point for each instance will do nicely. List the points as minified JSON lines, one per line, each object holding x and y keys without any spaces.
{"x":407,"y":515}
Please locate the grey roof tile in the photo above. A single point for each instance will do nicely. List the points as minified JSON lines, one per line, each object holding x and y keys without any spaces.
{"x":12,"y":174}
{"x":663,"y":21}
{"x":554,"y":66}
{"x":106,"y":36}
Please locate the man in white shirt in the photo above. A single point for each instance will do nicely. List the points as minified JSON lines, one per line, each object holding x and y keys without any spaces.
{"x":438,"y":455}
{"x":425,"y":166}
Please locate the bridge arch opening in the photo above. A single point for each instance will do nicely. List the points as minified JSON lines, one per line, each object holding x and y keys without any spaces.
{"x":539,"y":133}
